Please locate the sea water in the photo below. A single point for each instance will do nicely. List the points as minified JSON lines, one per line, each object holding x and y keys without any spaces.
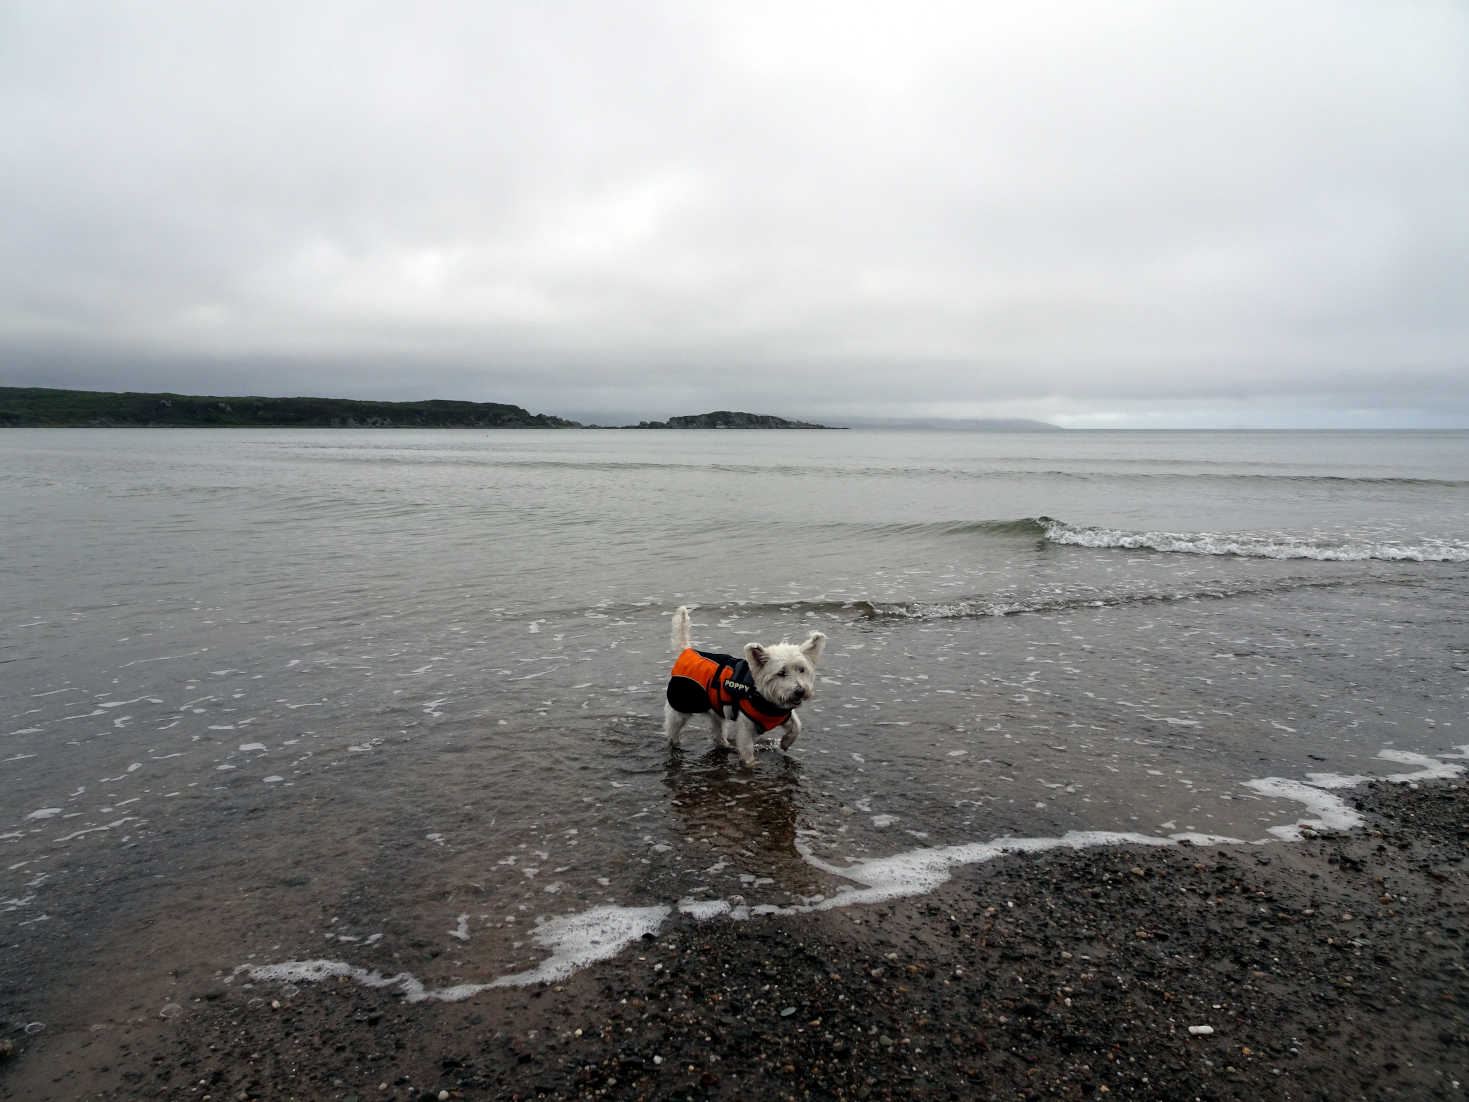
{"x":387,"y":704}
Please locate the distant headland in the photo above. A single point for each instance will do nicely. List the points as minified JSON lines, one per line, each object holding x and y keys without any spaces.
{"x":39,"y":407}
{"x":726,"y":419}
{"x":44,"y":407}
{"x":48,"y":407}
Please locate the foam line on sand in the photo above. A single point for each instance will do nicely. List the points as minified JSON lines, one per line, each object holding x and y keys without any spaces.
{"x":578,"y":940}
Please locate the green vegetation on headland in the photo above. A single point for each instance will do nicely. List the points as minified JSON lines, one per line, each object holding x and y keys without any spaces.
{"x":44,"y":407}
{"x":725,"y":419}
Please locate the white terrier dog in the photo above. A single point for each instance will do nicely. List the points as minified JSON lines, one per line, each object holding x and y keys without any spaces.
{"x":752,"y":695}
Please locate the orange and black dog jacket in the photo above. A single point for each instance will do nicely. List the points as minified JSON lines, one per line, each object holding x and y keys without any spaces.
{"x":706,"y":681}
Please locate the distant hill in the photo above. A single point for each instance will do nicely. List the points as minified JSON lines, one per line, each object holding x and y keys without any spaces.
{"x":41,"y":407}
{"x":46,"y":407}
{"x":725,"y":419}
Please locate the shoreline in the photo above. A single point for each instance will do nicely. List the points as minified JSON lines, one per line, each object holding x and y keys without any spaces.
{"x":1333,"y":967}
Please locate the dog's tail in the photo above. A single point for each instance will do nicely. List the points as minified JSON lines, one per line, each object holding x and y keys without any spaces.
{"x":683,"y":632}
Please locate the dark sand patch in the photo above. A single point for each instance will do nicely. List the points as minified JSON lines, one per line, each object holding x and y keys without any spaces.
{"x":1330,"y":969}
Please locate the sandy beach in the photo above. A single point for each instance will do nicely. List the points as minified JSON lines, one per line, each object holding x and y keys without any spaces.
{"x":1333,"y":968}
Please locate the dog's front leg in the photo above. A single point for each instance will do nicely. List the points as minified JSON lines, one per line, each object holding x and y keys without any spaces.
{"x":719,"y":730}
{"x":745,"y":741}
{"x":792,"y":732}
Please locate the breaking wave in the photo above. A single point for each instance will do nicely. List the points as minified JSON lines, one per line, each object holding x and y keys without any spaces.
{"x":1276,"y":545}
{"x":1078,"y":600}
{"x":1242,"y":545}
{"x":1073,"y":599}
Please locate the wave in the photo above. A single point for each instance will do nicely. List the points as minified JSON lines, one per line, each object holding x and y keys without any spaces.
{"x":1073,"y":599}
{"x":1049,"y":530}
{"x":1033,"y":528}
{"x":1243,"y":545}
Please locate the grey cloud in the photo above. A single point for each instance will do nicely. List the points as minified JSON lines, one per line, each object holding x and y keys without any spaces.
{"x":1043,"y":210}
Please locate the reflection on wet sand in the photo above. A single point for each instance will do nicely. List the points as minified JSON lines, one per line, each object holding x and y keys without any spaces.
{"x":714,"y":800}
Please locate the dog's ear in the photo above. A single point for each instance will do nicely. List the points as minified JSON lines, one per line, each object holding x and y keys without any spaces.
{"x":756,"y":656}
{"x":812,"y":647}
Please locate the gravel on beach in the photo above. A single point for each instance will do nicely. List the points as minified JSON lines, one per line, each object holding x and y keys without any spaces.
{"x":1334,"y":968}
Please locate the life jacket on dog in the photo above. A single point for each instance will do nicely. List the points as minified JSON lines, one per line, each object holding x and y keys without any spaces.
{"x":705,"y":681}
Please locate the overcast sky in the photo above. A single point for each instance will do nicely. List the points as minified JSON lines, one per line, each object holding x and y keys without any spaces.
{"x":1120,"y":214}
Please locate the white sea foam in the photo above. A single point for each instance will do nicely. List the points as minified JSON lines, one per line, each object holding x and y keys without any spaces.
{"x":704,"y":909}
{"x":1429,"y":769}
{"x":575,"y":941}
{"x":1257,"y":546}
{"x":919,"y":871}
{"x":93,"y":830}
{"x":314,"y":971}
{"x":1332,"y":812}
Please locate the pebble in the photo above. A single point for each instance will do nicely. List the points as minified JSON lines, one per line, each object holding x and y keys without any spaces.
{"x":1201,"y":1030}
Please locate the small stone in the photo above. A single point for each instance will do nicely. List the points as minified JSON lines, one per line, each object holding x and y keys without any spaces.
{"x":787,"y":1012}
{"x":1201,"y":1030}
{"x":443,"y":1096}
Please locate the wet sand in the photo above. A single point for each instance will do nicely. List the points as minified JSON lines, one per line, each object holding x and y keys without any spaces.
{"x":1334,"y":968}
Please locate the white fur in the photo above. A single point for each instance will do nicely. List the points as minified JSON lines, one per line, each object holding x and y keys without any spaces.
{"x":784,"y":673}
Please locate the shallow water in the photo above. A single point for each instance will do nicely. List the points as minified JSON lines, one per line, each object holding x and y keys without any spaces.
{"x":391,"y":699}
